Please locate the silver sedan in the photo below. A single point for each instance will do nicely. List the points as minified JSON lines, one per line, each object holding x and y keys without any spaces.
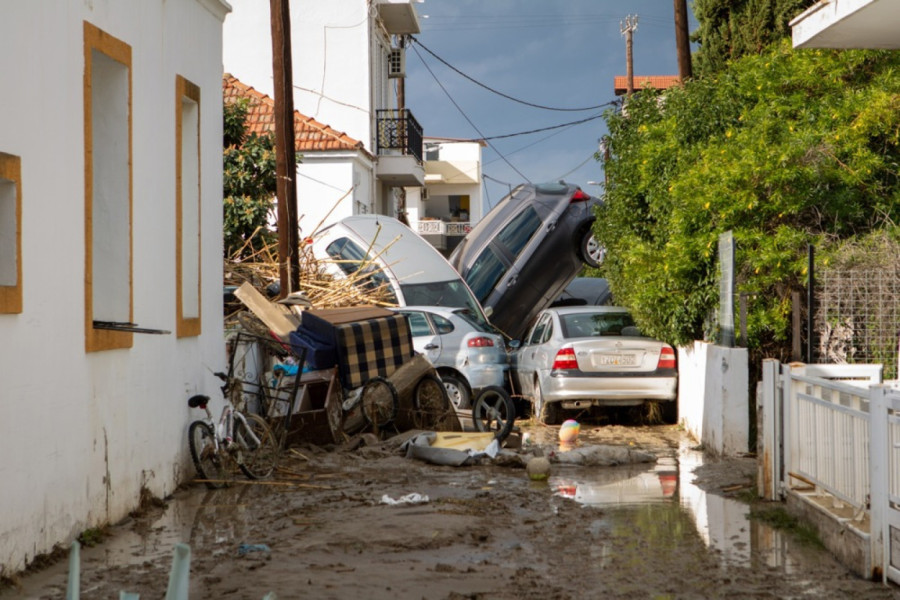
{"x":577,"y":357}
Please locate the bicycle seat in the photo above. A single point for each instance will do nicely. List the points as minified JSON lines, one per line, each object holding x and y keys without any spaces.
{"x":198,"y":401}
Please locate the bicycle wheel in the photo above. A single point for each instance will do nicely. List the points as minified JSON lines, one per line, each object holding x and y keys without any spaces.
{"x":380,"y":401}
{"x":207,"y":461}
{"x":430,"y":401}
{"x":494,"y":411}
{"x":257,"y":461}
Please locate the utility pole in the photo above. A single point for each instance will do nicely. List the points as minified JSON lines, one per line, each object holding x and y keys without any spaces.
{"x":401,"y":104}
{"x":682,"y":41}
{"x":285,"y":152}
{"x":628,"y":28}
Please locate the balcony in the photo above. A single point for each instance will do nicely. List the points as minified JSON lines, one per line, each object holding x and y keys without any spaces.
{"x":443,"y":235}
{"x":398,"y":16}
{"x":399,"y":140}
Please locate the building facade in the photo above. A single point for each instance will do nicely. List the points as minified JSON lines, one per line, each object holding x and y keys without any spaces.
{"x":110,"y":257}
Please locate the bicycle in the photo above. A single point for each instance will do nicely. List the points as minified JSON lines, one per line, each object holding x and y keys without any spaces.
{"x":245,"y":441}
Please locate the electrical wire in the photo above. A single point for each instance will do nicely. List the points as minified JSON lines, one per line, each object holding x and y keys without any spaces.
{"x":499,"y":93}
{"x":466,"y":117}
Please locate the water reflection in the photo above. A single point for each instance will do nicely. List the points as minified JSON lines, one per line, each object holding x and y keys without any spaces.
{"x":664,"y":504}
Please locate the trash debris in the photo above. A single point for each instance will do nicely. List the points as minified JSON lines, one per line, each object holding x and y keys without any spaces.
{"x":602,"y":456}
{"x":538,"y":468}
{"x":568,"y":431}
{"x":245,"y":549}
{"x":413,"y":498}
{"x":447,"y":451}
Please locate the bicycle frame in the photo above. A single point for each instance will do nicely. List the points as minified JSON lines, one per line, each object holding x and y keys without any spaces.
{"x":224,"y":429}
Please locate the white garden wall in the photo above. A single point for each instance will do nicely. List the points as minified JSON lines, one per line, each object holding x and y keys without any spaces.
{"x":84,"y":432}
{"x":713,"y":396}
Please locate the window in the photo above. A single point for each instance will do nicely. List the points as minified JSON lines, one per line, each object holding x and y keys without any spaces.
{"x":10,"y":233}
{"x":187,"y":207}
{"x":354,"y":261}
{"x":108,"y":186}
{"x":443,"y":325}
{"x":486,"y":271}
{"x":518,"y":231}
{"x":540,"y":333}
{"x":418,"y":324}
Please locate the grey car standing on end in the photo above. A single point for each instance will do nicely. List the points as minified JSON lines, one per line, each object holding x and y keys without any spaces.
{"x":522,"y":254}
{"x":578,"y":357}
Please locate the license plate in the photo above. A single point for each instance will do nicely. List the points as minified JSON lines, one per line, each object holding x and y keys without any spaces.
{"x":618,"y":360}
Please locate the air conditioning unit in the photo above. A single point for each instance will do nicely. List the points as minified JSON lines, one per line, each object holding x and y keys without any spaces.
{"x":397,"y":63}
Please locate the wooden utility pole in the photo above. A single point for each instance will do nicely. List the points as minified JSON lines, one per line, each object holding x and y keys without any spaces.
{"x":401,"y":104}
{"x":682,"y":40}
{"x":285,"y":152}
{"x":628,"y":28}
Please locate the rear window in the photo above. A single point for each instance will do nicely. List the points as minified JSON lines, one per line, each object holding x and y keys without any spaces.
{"x":484,"y":274}
{"x":517,"y":232}
{"x":595,"y":325}
{"x":354,"y":262}
{"x":452,"y":294}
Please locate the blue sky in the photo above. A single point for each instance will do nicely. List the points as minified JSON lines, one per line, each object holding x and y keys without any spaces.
{"x":555,"y":53}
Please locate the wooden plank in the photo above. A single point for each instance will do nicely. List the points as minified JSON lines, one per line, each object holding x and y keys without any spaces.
{"x":276,"y":317}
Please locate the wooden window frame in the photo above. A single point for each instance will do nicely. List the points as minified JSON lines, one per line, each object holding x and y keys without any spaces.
{"x":97,"y":339}
{"x":11,"y":295}
{"x":186,"y":327}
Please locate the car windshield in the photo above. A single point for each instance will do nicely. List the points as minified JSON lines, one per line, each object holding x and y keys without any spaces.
{"x":598,"y":324}
{"x":452,"y":294}
{"x":354,"y":261}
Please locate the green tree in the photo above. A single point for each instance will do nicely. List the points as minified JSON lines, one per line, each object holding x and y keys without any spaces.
{"x":730,"y":29}
{"x":784,"y":148}
{"x":249,"y":184}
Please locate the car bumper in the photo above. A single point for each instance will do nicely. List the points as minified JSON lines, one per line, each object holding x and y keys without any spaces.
{"x":483,"y":375}
{"x":608,"y":391}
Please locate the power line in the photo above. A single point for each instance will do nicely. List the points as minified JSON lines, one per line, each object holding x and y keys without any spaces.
{"x":530,"y":131}
{"x":466,"y":117}
{"x":499,"y":93}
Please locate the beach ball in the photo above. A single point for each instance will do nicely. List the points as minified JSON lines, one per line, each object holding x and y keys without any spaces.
{"x":568,"y":431}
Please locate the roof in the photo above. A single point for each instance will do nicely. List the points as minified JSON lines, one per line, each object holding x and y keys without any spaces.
{"x":309,"y":134}
{"x":656,"y":82}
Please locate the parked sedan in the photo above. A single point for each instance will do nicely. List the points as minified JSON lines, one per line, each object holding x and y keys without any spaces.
{"x":578,"y":357}
{"x":467,"y":355}
{"x":524,"y":252}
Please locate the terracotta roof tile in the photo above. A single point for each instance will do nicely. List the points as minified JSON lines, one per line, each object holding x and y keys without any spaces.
{"x":309,"y":134}
{"x":658,"y":82}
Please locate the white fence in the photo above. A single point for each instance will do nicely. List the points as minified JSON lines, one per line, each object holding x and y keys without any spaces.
{"x":835,"y":430}
{"x":437,"y":227}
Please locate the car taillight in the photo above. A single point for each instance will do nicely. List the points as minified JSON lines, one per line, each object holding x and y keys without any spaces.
{"x":666,"y":358}
{"x":579,"y":196}
{"x":565,"y":360}
{"x":480,"y":342}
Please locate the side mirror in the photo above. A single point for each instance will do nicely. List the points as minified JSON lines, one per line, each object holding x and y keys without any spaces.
{"x":514,"y":344}
{"x":488,"y":311}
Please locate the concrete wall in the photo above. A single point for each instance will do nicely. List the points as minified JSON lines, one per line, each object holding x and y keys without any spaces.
{"x":333,"y":186}
{"x":713,"y":396}
{"x":83,"y":432}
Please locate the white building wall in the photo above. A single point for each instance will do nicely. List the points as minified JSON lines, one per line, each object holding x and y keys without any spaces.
{"x":333,"y":60}
{"x":83,"y":432}
{"x":320,"y":200}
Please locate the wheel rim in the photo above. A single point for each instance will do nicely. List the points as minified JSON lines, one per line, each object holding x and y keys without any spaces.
{"x":454,"y":393}
{"x":594,"y":250}
{"x":538,"y":400}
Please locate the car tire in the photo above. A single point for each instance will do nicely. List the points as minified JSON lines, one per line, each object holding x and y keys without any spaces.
{"x":457,"y":390}
{"x":547,"y":413}
{"x":494,"y":411}
{"x":590,"y":249}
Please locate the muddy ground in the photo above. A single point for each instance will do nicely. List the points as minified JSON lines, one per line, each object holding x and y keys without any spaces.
{"x":321,"y":530}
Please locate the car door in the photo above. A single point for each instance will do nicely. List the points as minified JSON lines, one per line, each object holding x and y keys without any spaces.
{"x":426,"y":340}
{"x":525,"y":359}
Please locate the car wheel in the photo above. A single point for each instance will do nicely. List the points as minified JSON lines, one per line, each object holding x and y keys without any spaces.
{"x":546,"y":412}
{"x":590,"y":249}
{"x":458,"y":390}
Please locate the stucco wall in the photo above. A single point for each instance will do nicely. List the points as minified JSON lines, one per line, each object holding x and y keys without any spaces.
{"x":713,"y":396}
{"x":323,"y":184}
{"x":82,"y":432}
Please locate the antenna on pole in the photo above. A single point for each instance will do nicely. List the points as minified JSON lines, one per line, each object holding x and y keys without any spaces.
{"x":627,"y":28}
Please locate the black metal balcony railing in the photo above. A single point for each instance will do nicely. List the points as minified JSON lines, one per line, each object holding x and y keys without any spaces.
{"x":399,"y":130}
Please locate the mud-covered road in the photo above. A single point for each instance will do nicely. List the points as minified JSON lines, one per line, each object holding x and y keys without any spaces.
{"x":322,"y":529}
